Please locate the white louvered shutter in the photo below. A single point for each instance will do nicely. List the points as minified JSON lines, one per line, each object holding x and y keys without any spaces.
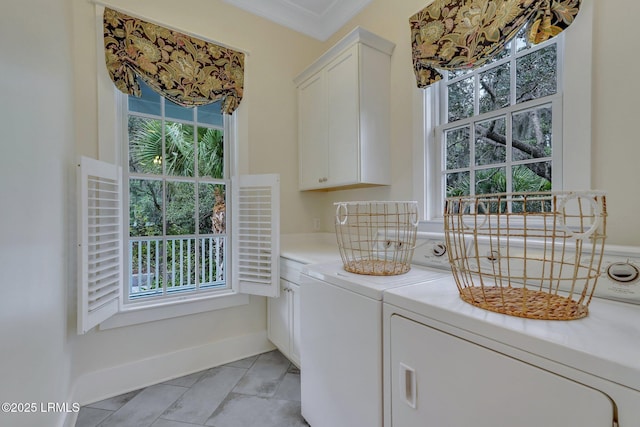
{"x":256,"y":234}
{"x":100,"y":245}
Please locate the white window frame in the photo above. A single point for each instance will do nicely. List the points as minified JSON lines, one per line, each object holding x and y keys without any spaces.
{"x":112,"y":130}
{"x":128,"y":303}
{"x":574,"y":154}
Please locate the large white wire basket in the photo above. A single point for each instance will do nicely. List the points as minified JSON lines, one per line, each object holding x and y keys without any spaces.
{"x":377,"y":238}
{"x":533,"y":255}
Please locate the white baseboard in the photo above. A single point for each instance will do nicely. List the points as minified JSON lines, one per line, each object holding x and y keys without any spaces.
{"x":98,"y":385}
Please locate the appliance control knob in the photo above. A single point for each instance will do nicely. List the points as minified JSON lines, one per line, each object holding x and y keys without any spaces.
{"x":439,"y":249}
{"x":493,"y":256}
{"x":623,"y":273}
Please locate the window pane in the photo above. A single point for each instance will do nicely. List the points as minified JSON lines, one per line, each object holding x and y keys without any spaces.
{"x":458,"y":184}
{"x":457,"y":73}
{"x":531,"y":132}
{"x":180,"y":215}
{"x":179,"y":148}
{"x":457,"y":151}
{"x":175,"y":111}
{"x":494,"y":88}
{"x":145,"y":267}
{"x":145,"y":145}
{"x":490,"y":142}
{"x":181,"y":264}
{"x":460,"y":96}
{"x":145,"y":207}
{"x":212,"y":261}
{"x":148,"y":103}
{"x":210,"y":153}
{"x":532,"y":177}
{"x":492,"y":180}
{"x":212,"y":211}
{"x":521,"y":41}
{"x":210,"y":114}
{"x":536,"y":74}
{"x":502,"y":54}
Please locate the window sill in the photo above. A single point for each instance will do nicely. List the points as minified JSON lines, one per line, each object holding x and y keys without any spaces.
{"x":129,"y":316}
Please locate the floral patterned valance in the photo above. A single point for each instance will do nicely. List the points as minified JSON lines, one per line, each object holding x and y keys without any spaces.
{"x":458,"y":34}
{"x":183,"y":69}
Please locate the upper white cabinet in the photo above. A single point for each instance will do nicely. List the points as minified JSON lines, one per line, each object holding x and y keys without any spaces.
{"x":343,"y":115}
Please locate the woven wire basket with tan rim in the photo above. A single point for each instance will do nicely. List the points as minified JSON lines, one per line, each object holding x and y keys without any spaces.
{"x":533,"y":255}
{"x":377,"y":238}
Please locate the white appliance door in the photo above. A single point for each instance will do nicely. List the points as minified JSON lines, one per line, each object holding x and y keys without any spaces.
{"x":341,"y":356}
{"x":442,"y":380}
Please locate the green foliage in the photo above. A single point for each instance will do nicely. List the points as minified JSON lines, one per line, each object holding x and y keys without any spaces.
{"x":149,"y":195}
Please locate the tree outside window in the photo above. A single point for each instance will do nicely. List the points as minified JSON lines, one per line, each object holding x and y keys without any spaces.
{"x":177,"y":197}
{"x":497,"y":127}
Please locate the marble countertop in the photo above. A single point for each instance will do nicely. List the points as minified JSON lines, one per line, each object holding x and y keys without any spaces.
{"x":309,"y":248}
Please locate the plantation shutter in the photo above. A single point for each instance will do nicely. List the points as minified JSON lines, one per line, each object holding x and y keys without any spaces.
{"x":256,"y":233}
{"x":100,"y":246}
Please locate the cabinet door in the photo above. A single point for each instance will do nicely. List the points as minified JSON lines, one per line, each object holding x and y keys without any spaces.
{"x":441,"y":380}
{"x":312,"y":129}
{"x":343,"y":118}
{"x":294,"y":294}
{"x":278,"y":314}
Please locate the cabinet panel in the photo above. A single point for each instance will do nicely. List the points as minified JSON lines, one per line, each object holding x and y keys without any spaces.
{"x":283,"y":313}
{"x":343,"y":118}
{"x":278,"y":314}
{"x":441,"y":380}
{"x":312,"y":123}
{"x":295,"y":323}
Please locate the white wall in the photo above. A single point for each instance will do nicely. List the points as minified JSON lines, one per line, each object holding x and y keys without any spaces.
{"x":616,"y":105}
{"x":36,"y":168}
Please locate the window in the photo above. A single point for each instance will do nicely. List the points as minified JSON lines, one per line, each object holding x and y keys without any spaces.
{"x":499,"y":124}
{"x":496,"y":129}
{"x":191,"y":234}
{"x":519,"y":123}
{"x":186,"y":237}
{"x":177,"y":179}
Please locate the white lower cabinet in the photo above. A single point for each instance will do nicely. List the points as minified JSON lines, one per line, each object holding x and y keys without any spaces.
{"x":438,"y":379}
{"x":283,"y":313}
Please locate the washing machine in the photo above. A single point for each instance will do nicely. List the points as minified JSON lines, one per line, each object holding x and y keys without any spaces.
{"x":341,"y":343}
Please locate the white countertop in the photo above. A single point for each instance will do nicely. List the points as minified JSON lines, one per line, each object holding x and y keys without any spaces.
{"x":309,"y":248}
{"x":369,"y":285}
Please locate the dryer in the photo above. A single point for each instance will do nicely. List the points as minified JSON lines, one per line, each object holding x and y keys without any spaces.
{"x":448,"y":363}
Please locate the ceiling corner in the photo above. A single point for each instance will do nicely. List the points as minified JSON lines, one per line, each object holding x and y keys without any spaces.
{"x":319,"y":19}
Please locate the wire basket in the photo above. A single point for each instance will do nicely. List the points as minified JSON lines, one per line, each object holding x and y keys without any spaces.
{"x":533,"y":255}
{"x":376,"y":238}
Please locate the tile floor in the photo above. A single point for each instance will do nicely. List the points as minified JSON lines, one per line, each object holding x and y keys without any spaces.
{"x":262,"y":391}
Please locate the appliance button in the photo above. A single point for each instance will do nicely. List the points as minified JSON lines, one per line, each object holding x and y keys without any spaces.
{"x":439,"y":249}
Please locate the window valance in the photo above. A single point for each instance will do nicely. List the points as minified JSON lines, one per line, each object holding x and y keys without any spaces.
{"x":183,"y":69}
{"x":458,"y":34}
